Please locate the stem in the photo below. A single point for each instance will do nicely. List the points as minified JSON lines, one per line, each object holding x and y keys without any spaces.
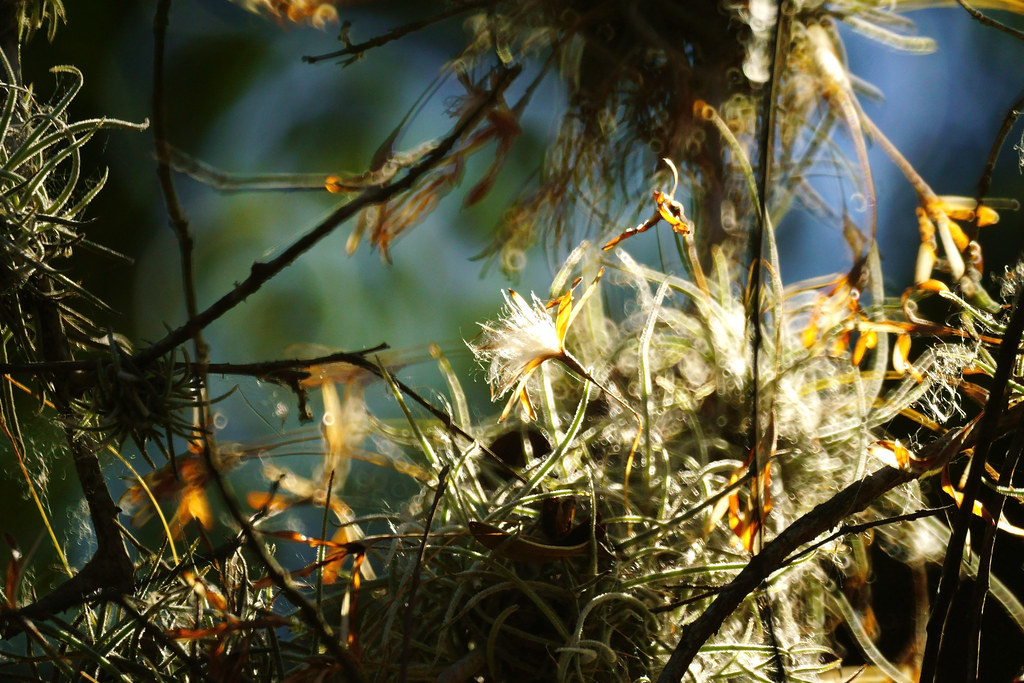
{"x":850,"y":500}
{"x":175,"y":211}
{"x":262,"y":271}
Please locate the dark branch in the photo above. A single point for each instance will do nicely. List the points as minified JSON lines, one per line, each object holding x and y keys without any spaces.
{"x":261,"y":272}
{"x":175,"y":211}
{"x":263,"y":369}
{"x":850,"y":500}
{"x":988,"y":431}
{"x":990,"y":22}
{"x":985,"y":182}
{"x":356,"y":51}
{"x":308,"y":612}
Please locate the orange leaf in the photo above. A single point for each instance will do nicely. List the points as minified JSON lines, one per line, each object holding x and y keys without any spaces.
{"x":314,"y":542}
{"x":333,"y":184}
{"x":900,"y":351}
{"x":231,"y":626}
{"x":868,"y":339}
{"x":211,"y":594}
{"x":810,"y":333}
{"x":273,"y":503}
{"x":841,"y":343}
{"x":979,"y":507}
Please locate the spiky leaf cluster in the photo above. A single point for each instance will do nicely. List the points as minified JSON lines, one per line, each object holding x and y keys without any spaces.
{"x":42,"y":202}
{"x":146,"y":403}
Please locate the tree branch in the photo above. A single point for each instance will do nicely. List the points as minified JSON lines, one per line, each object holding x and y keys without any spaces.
{"x":262,"y":271}
{"x":356,"y":51}
{"x":850,"y":500}
{"x":988,"y":431}
{"x":175,"y":211}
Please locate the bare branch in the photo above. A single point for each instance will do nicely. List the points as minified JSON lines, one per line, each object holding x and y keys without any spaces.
{"x":354,"y":52}
{"x":261,"y":272}
{"x":850,"y":500}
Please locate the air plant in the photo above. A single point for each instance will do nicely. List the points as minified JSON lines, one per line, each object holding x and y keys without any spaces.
{"x":665,"y":446}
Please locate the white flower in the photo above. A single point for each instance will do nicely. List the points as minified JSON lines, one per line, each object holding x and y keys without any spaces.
{"x":523,"y":339}
{"x":519,"y":342}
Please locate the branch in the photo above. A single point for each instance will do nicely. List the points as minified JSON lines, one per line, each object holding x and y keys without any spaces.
{"x":990,"y":22}
{"x":110,"y":569}
{"x":985,"y":182}
{"x":988,"y":432}
{"x":358,"y":49}
{"x":1012,"y":458}
{"x":309,"y":613}
{"x":985,"y":551}
{"x":261,"y":272}
{"x":194,"y":666}
{"x":282,"y":370}
{"x":261,"y":369}
{"x":850,"y":500}
{"x":175,"y":211}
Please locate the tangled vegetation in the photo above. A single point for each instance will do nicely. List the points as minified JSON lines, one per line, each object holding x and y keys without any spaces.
{"x":698,"y":465}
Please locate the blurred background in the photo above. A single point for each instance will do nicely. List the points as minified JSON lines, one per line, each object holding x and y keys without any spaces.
{"x":240,"y":98}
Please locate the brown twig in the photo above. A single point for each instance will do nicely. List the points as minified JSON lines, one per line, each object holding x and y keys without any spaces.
{"x":990,"y":22}
{"x":985,"y":550}
{"x":985,"y":182}
{"x":850,"y":500}
{"x":987,"y":546}
{"x":778,"y":552}
{"x":194,"y":666}
{"x":175,"y":211}
{"x":854,"y":529}
{"x":265,"y":369}
{"x":110,"y":569}
{"x":262,"y":271}
{"x":354,"y":52}
{"x":308,"y":612}
{"x":761,"y":455}
{"x":179,"y":221}
{"x":284,"y":370}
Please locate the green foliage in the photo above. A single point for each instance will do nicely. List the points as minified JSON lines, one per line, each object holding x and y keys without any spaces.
{"x":34,"y":15}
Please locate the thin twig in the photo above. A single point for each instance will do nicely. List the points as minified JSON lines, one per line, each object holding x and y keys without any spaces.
{"x":110,"y":567}
{"x":262,"y":271}
{"x":781,"y":41}
{"x":194,"y":666}
{"x":987,"y":546}
{"x":175,"y":211}
{"x":260,"y":369}
{"x":179,"y":222}
{"x":278,"y":369}
{"x":850,"y":500}
{"x":310,"y":616}
{"x":985,"y":182}
{"x":854,"y":529}
{"x":844,"y":530}
{"x":414,"y":584}
{"x":985,"y":551}
{"x":356,"y":51}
